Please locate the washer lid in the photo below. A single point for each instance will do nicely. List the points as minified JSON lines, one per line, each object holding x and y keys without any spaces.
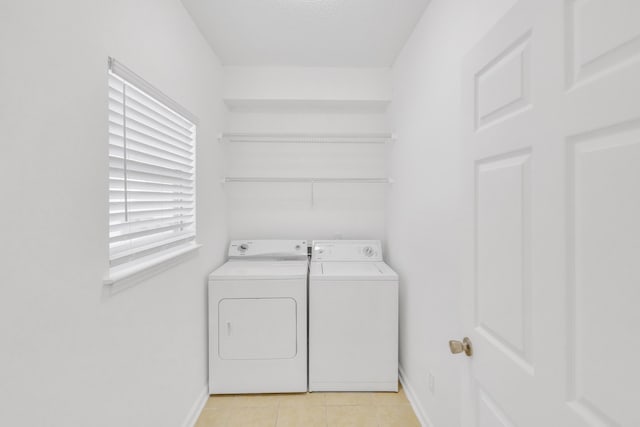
{"x":261,"y":270}
{"x":337,"y":270}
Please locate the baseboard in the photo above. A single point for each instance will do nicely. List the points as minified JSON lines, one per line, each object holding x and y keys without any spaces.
{"x":194,"y":413}
{"x":413,"y":399}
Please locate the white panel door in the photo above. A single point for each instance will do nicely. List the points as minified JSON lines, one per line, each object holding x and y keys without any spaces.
{"x":551,"y":134}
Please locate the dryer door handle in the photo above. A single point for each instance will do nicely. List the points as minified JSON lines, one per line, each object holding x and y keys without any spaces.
{"x":228,"y":328}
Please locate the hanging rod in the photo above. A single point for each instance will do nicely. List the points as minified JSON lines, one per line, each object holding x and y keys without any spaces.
{"x":230,"y":179}
{"x":364,"y":138}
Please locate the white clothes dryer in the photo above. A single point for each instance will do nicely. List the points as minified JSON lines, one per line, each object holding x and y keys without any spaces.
{"x":353,"y":318}
{"x":258,"y":319}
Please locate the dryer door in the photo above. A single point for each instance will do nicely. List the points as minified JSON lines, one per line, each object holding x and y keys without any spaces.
{"x":257,"y":328}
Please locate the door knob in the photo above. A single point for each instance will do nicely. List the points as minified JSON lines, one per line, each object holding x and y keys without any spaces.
{"x":458,"y":347}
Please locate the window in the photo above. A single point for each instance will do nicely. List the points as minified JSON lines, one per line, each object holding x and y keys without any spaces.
{"x":151,"y":175}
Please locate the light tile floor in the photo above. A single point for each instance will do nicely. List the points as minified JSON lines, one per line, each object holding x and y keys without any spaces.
{"x":309,"y":410}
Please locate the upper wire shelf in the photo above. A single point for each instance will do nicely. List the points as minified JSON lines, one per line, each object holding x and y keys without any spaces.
{"x":336,"y":138}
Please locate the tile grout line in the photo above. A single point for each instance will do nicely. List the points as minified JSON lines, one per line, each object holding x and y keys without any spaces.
{"x":277,"y":412}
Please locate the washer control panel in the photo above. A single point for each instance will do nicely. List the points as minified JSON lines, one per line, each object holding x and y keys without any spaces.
{"x":268,"y":249}
{"x":346,"y":250}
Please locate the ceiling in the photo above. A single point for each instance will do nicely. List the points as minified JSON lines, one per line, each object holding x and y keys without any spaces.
{"x":323,"y":33}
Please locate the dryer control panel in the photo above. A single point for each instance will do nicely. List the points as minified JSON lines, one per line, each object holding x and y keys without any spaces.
{"x":268,"y":249}
{"x":346,"y":250}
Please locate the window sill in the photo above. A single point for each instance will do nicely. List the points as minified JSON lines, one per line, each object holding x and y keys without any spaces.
{"x":140,"y":268}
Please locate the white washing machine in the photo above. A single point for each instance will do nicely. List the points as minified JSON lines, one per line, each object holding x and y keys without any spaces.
{"x":258,"y":319}
{"x":353,"y":318}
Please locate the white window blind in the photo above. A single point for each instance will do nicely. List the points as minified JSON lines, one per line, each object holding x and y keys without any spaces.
{"x":151,"y":171}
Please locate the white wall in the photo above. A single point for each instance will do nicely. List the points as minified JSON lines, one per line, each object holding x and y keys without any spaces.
{"x":306,"y":100}
{"x":72,"y":353}
{"x":307,"y":83}
{"x":423,"y":241}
